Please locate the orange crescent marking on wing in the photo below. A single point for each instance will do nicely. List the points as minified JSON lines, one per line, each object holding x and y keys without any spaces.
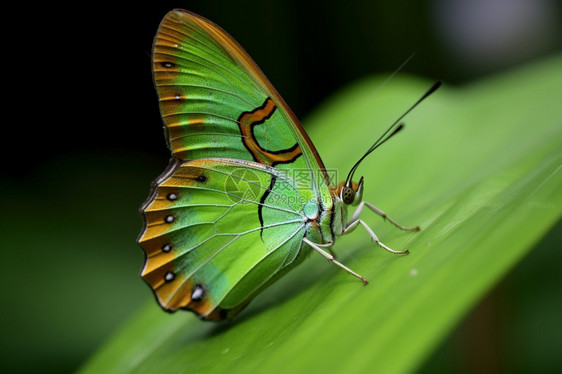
{"x":248,"y":120}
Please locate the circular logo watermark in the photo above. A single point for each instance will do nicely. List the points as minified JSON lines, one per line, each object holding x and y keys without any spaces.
{"x":243,"y":186}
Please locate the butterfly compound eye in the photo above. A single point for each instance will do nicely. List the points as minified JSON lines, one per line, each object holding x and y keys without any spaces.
{"x":347,"y":195}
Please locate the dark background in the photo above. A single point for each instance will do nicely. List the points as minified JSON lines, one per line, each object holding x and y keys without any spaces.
{"x":82,"y":138}
{"x":82,"y":80}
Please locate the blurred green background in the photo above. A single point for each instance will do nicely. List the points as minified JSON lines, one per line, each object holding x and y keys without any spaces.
{"x":88,"y":143}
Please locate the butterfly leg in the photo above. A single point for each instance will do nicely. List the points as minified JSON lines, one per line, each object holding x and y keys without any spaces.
{"x":359,"y":210}
{"x":329,"y":246}
{"x":353,"y":225}
{"x":331,"y":258}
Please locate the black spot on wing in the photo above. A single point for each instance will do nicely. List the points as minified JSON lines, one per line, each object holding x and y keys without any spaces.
{"x":198,"y":293}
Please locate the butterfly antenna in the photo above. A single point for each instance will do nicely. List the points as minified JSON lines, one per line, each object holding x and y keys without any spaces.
{"x":383,"y":138}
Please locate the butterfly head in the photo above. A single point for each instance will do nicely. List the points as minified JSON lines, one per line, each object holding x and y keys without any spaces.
{"x":350,"y":193}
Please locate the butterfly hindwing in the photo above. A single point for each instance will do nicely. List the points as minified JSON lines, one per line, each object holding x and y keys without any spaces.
{"x":217,"y":230}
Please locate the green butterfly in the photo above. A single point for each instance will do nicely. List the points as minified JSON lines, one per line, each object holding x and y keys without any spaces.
{"x":245,"y":196}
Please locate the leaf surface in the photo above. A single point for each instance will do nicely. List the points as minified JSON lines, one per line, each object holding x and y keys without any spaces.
{"x":477,"y":167}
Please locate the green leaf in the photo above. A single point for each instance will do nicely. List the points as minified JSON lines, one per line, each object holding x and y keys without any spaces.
{"x":478,"y":168}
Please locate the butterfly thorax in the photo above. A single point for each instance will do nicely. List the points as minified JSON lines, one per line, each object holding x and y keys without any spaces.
{"x":319,"y":230}
{"x":339,"y":217}
{"x":328,"y":223}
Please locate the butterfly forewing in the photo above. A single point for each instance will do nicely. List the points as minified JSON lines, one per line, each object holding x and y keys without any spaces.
{"x":216,"y":102}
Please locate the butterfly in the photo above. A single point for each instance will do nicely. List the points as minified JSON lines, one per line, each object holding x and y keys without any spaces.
{"x":245,"y":196}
